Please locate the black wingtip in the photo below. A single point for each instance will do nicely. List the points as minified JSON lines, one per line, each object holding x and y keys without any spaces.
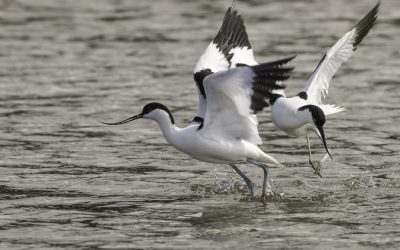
{"x":274,"y":64}
{"x":232,"y":33}
{"x":365,"y":25}
{"x":268,"y":77}
{"x":233,"y":5}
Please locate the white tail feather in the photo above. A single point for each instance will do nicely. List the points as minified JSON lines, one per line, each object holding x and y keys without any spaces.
{"x":331,"y":109}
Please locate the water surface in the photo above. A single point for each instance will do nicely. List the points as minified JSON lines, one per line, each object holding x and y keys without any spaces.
{"x":68,"y":182}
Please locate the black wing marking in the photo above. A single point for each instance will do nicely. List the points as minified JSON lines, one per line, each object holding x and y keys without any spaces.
{"x":232,"y":34}
{"x":365,"y":25}
{"x":199,"y":77}
{"x":268,"y":77}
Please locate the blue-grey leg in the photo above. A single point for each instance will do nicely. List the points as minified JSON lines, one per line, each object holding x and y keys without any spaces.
{"x":265,"y":170}
{"x":245,"y":178}
{"x":316,"y":165}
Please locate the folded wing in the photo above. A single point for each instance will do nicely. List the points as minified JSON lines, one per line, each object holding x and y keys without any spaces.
{"x":318,"y":82}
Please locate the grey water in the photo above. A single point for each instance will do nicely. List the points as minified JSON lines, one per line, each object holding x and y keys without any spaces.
{"x":69,"y":182}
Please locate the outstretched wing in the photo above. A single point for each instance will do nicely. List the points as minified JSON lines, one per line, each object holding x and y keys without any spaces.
{"x":230,"y":47}
{"x":318,"y":82}
{"x":235,"y":95}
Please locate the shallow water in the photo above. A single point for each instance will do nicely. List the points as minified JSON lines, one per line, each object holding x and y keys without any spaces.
{"x":68,"y":182}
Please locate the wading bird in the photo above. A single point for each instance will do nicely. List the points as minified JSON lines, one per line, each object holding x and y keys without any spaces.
{"x":305,"y":112}
{"x":232,"y":87}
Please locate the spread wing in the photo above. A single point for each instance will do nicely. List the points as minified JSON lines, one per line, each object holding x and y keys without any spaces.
{"x":235,"y":95}
{"x":230,"y":47}
{"x":318,"y":82}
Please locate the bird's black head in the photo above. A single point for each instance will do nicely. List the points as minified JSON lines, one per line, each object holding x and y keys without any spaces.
{"x":152,"y":106}
{"x":318,"y":115}
{"x":148,"y":108}
{"x":318,"y":118}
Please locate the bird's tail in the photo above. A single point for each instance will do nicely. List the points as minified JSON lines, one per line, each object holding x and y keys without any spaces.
{"x":266,"y":158}
{"x":331,"y":109}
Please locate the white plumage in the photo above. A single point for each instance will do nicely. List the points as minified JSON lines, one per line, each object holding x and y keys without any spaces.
{"x":318,"y":83}
{"x":228,"y":105}
{"x":212,"y":58}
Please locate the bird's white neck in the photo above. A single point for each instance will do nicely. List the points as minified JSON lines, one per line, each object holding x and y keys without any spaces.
{"x":168,"y":129}
{"x":166,"y":124}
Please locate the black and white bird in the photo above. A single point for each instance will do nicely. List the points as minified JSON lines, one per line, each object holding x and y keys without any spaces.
{"x":232,"y":87}
{"x":305,"y":112}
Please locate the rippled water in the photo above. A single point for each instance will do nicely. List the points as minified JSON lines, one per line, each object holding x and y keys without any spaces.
{"x":68,"y":182}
